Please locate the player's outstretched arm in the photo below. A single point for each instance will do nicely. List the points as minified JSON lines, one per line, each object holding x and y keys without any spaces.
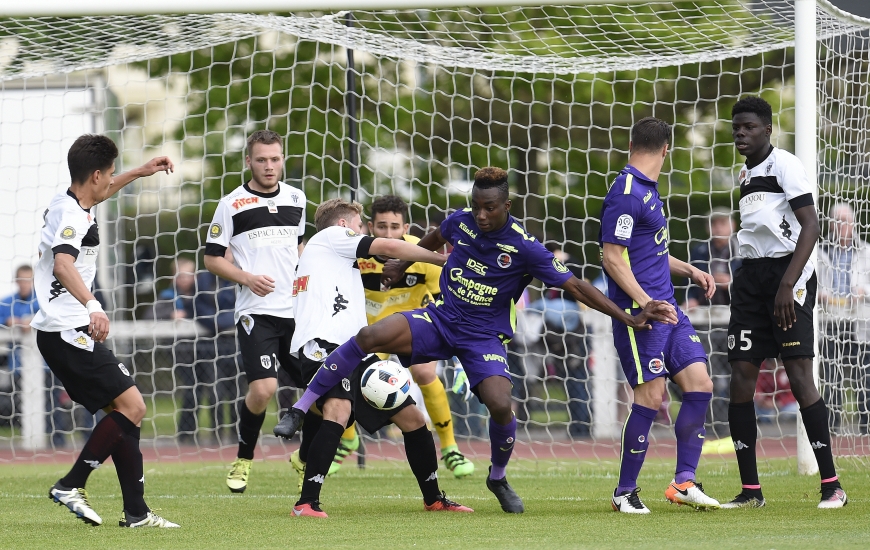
{"x":700,"y":278}
{"x":403,"y":250}
{"x":66,"y":273}
{"x":261,"y":285}
{"x":394,"y":270}
{"x":783,"y":305}
{"x":157,"y":164}
{"x":653,"y":310}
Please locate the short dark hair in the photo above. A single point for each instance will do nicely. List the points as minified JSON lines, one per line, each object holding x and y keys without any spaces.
{"x":329,"y":212}
{"x":389,"y":203}
{"x":89,"y":153}
{"x":650,"y":134}
{"x":23,"y":267}
{"x":489,"y":177}
{"x":266,"y":137}
{"x":756,"y":106}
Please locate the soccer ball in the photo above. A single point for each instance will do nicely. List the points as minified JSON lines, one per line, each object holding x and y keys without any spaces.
{"x":385,"y":385}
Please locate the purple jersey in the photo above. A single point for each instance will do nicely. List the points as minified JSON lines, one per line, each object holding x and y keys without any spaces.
{"x":487,"y":272}
{"x":633,"y":215}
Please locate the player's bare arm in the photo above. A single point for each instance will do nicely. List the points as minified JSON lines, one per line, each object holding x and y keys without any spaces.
{"x":261,"y":285}
{"x":783,"y":307}
{"x":66,"y":273}
{"x":654,"y":310}
{"x":703,"y":279}
{"x":411,"y":253}
{"x":616,"y":266}
{"x":393,"y":270}
{"x":157,"y":164}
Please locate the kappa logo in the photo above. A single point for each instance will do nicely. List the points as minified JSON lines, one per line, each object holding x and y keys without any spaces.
{"x":266,"y":361}
{"x":477,"y":267}
{"x":411,"y":280}
{"x":56,"y":290}
{"x":142,"y":480}
{"x":317,"y":479}
{"x":790,"y":344}
{"x":739,"y":445}
{"x":504,"y":261}
{"x":340,"y":303}
{"x":345,"y":383}
{"x":68,"y":232}
{"x":624,"y":227}
{"x":656,"y":365}
{"x":92,"y":463}
{"x":123,"y":369}
{"x":215,"y":231}
{"x":245,"y":201}
{"x":816,"y":445}
{"x":432,"y":477}
{"x":81,"y":340}
{"x":731,"y":341}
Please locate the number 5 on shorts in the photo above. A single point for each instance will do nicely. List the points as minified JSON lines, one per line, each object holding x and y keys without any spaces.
{"x":745,"y":342}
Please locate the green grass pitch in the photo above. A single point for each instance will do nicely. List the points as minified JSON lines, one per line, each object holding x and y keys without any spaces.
{"x":567,"y":505}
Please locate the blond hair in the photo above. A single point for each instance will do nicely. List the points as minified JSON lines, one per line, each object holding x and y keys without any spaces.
{"x":329,"y":212}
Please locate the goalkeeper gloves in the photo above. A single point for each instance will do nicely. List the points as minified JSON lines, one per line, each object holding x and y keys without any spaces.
{"x":460,"y":381}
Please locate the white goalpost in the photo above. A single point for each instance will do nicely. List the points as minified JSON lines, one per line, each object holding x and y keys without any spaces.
{"x":438,"y":89}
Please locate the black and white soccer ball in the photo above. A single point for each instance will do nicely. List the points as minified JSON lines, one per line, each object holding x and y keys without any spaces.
{"x":385,"y":385}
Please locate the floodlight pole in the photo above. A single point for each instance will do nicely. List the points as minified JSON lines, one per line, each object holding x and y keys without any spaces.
{"x":806,"y":141}
{"x":350,"y":105}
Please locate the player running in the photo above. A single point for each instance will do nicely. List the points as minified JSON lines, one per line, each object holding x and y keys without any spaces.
{"x":417,"y":288}
{"x":492,"y":262}
{"x":634,"y":243}
{"x":773,"y":297}
{"x":71,"y":329}
{"x":262,"y":224}
{"x":330,"y":308}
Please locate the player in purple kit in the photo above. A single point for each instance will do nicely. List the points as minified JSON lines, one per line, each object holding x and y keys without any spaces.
{"x":634,"y":242}
{"x":492,"y":262}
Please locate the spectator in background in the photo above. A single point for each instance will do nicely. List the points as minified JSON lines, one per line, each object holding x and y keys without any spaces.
{"x":844,"y":285}
{"x":17,"y":310}
{"x":718,"y":257}
{"x":205,"y":367}
{"x":567,"y":347}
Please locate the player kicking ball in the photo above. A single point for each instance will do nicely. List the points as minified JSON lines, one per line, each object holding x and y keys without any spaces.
{"x":72,"y":328}
{"x":773,"y":296}
{"x":492,"y":262}
{"x":330,"y":306}
{"x":634,"y":241}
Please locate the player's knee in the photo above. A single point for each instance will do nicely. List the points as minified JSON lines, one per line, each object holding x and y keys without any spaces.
{"x":337,"y":410}
{"x":409,"y":419}
{"x":423,"y":374}
{"x":366,"y":339}
{"x":259,"y":394}
{"x":500,"y":410}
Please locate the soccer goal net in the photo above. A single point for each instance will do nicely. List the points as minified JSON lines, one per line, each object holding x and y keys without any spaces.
{"x":431,"y":95}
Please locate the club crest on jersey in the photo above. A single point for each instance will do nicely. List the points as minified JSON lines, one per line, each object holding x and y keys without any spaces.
{"x":504,"y":260}
{"x":742,"y":177}
{"x":411,"y":280}
{"x":266,"y":361}
{"x":350,"y":233}
{"x":68,"y":232}
{"x":295,"y":198}
{"x":81,"y":340}
{"x":215,"y":231}
{"x":272,"y":208}
{"x":656,"y":365}
{"x":731,"y":341}
{"x":559,"y":266}
{"x":245,"y":201}
{"x":345,"y":383}
{"x":123,"y":369}
{"x":641,"y":438}
{"x":769,"y":168}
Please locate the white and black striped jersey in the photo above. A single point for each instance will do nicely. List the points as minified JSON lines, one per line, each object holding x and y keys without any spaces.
{"x":69,"y":229}
{"x":263,"y":231}
{"x":770,"y":192}
{"x":329,"y":297}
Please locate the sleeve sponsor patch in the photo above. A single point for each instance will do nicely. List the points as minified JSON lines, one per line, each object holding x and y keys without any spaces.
{"x":68,"y":232}
{"x":624,"y":227}
{"x":559,"y":266}
{"x":215,"y":231}
{"x":350,"y":233}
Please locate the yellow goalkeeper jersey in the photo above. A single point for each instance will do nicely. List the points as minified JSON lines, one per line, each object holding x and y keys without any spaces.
{"x":415,"y":289}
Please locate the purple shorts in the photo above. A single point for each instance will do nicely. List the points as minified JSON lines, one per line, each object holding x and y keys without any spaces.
{"x":433,"y":338}
{"x":663,"y":351}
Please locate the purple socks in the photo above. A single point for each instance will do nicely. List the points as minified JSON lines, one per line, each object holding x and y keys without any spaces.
{"x":339,"y":364}
{"x":690,"y":432}
{"x":635,"y":441}
{"x":501,"y":443}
